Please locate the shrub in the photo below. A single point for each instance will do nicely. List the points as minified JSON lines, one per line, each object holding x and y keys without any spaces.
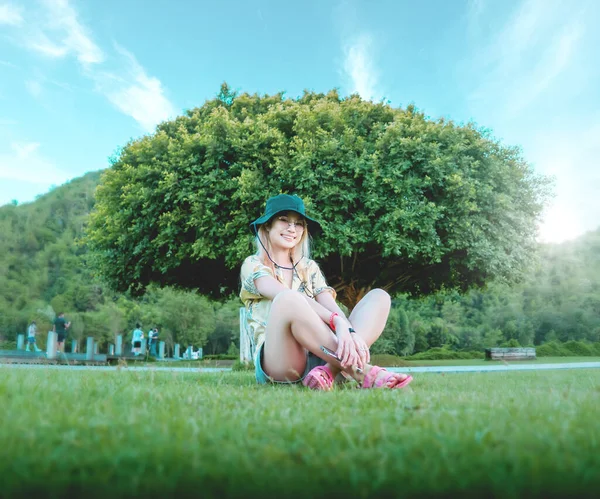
{"x":233,"y":350}
{"x":238,"y":365}
{"x":220,"y":356}
{"x":551,"y":349}
{"x":512,"y":343}
{"x":8,"y":345}
{"x":579,"y":348}
{"x":568,"y":349}
{"x":444,"y":353}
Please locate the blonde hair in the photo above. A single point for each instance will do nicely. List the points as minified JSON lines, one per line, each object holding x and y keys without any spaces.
{"x":299,"y":254}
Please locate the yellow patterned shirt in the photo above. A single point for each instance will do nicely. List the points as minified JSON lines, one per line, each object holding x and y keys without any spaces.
{"x":308,"y":280}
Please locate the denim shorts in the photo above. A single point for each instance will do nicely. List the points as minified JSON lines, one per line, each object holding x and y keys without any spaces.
{"x":262,"y":378}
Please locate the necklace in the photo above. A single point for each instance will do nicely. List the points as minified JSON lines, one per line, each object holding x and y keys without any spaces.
{"x":277,"y":266}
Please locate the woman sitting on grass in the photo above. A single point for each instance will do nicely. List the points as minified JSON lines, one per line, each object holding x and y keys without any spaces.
{"x":292,"y":312}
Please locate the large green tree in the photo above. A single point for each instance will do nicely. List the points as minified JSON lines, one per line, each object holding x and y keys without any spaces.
{"x":407,"y":203}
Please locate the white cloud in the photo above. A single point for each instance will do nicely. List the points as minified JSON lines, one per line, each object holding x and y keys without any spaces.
{"x":135,"y":93}
{"x":359,"y":67}
{"x":24,"y":162}
{"x":60,"y":33}
{"x":42,"y":44}
{"x":24,"y":151}
{"x":11,"y":15}
{"x":533,"y":49}
{"x":34,"y":87}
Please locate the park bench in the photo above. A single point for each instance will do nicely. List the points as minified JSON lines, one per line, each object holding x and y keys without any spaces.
{"x":527,"y":353}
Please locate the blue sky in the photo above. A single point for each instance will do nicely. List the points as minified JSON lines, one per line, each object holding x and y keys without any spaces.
{"x":80,"y":79}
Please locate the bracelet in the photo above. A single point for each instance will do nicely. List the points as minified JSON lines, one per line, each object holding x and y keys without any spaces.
{"x":331,"y":317}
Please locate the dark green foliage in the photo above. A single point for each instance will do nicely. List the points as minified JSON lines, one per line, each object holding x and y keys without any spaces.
{"x":44,"y":261}
{"x":559,"y":301}
{"x":221,"y":356}
{"x":434,"y":204}
{"x":43,"y":270}
{"x":568,"y":349}
{"x":579,"y":348}
{"x":512,"y":343}
{"x":226,"y":331}
{"x":445,"y":353}
{"x":552,"y":349}
{"x":40,"y":260}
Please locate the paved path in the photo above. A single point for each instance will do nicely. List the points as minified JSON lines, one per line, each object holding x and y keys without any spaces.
{"x":428,"y":369}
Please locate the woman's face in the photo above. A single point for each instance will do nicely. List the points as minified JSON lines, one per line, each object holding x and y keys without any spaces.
{"x":287,"y":229}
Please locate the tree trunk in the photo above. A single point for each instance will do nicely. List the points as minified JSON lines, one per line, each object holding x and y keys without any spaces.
{"x":350,"y":295}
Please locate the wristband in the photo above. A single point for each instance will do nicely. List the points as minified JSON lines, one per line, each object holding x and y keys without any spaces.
{"x":331,"y":317}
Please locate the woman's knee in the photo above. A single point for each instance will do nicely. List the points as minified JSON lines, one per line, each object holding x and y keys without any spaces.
{"x":381,"y":296}
{"x":288,"y":300}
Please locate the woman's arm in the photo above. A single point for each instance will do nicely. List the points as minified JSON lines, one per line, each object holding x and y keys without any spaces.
{"x":269,"y":287}
{"x":327,"y":300}
{"x":347,"y":350}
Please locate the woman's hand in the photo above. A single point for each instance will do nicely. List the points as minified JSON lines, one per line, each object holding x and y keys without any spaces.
{"x":346,"y":350}
{"x":362,"y":348}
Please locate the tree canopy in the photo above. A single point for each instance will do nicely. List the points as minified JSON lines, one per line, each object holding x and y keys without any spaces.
{"x":407,"y":203}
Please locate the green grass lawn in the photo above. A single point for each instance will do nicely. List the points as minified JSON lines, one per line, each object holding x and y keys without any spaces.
{"x":399,"y":361}
{"x":168,"y":434}
{"x":483,"y":362}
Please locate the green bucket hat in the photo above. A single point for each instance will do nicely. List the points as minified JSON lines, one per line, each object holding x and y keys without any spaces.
{"x":284,"y":202}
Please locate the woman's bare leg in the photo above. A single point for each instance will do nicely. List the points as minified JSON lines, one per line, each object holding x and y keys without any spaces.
{"x":293,"y":327}
{"x":368,"y":318}
{"x":370,"y":315}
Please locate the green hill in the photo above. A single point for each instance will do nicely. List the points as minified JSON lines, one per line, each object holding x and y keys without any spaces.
{"x":44,"y":271}
{"x":41,"y":265}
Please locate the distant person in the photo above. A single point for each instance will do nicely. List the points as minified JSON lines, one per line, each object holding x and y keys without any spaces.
{"x":149,"y":338}
{"x":136,"y":340}
{"x":60,"y":328}
{"x":31,"y":332}
{"x":152,"y":341}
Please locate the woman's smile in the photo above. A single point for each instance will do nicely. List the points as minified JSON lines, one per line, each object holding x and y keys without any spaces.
{"x":289,"y":237}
